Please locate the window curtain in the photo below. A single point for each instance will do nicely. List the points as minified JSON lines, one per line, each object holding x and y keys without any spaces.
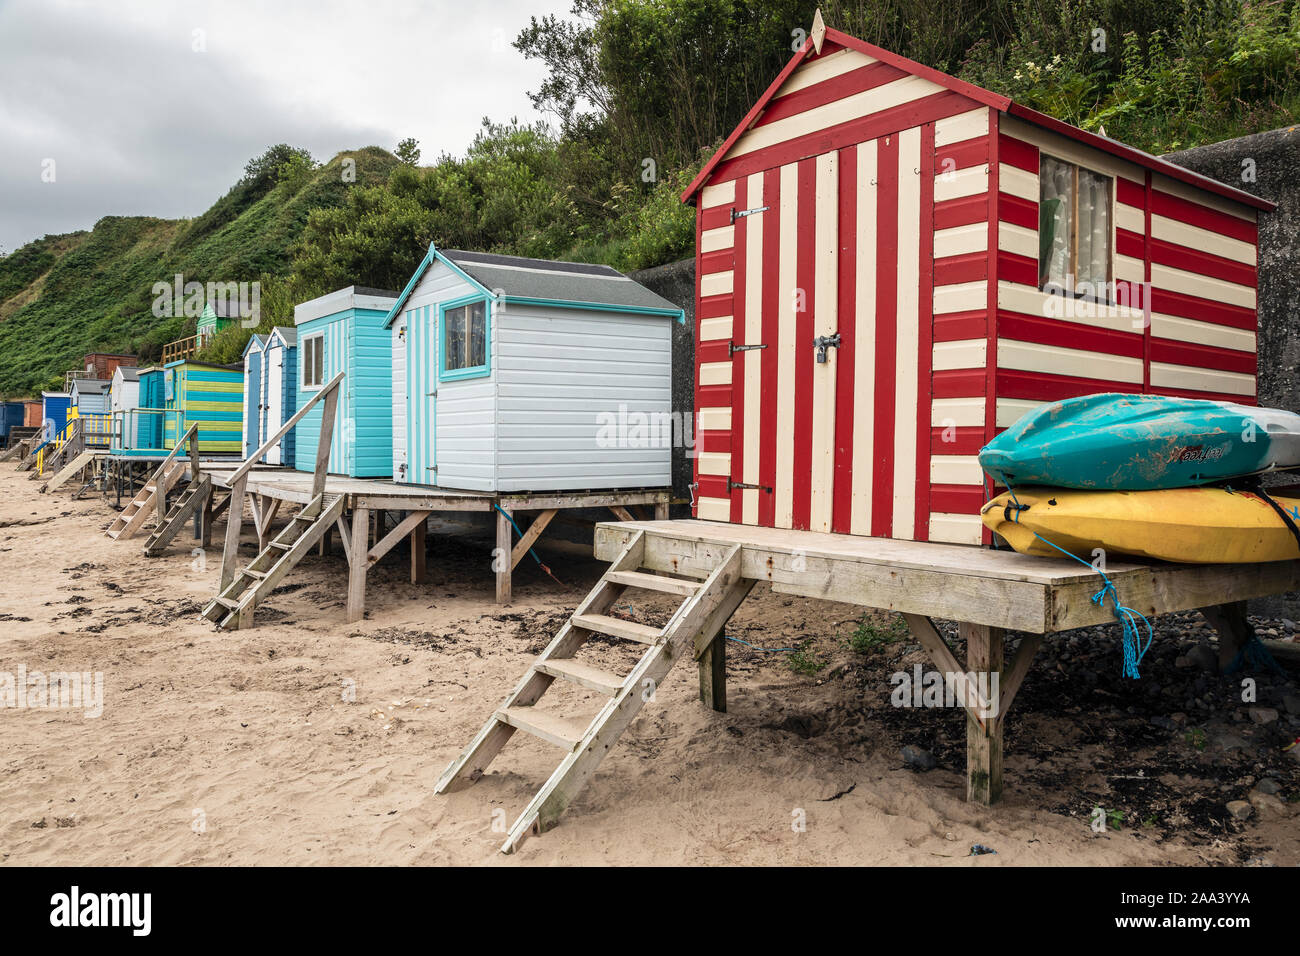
{"x":1054,"y":213}
{"x":1094,"y":232}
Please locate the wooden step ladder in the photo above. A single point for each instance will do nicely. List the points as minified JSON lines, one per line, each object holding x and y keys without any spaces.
{"x":73,"y":467}
{"x":704,"y":611}
{"x":28,"y":461}
{"x":195,"y":496}
{"x":233,"y":607}
{"x":132,"y":518}
{"x":18,"y":450}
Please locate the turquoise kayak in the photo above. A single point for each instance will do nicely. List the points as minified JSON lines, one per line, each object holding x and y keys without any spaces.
{"x":1141,"y":443}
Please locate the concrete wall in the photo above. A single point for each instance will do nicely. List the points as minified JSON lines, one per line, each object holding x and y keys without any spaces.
{"x":676,"y":283}
{"x":1274,"y":158}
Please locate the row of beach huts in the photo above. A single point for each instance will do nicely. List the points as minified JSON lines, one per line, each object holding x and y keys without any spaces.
{"x":891,"y":267}
{"x":487,"y":373}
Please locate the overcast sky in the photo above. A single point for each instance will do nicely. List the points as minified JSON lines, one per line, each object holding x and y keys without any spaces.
{"x":142,"y":115}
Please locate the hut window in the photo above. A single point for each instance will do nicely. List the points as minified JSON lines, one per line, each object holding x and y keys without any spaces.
{"x":313,"y":361}
{"x":1074,"y":229}
{"x":464,"y":339}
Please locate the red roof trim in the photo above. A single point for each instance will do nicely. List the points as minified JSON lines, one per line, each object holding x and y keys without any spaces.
{"x":1138,"y":157}
{"x":698,"y":182}
{"x":980,"y":95}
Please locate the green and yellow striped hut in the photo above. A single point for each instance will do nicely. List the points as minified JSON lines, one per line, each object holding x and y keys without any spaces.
{"x":212,"y":396}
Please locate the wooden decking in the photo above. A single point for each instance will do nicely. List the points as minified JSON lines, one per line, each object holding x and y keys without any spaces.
{"x":948,"y":581}
{"x":987,"y":592}
{"x":364,"y":498}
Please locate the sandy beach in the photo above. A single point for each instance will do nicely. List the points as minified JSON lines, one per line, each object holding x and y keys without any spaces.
{"x":305,"y":740}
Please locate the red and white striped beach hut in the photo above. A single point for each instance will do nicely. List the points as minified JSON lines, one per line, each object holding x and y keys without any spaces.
{"x":961,"y":258}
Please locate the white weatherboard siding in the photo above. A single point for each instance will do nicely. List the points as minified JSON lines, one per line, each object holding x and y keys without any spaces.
{"x":533,"y":423}
{"x":563,"y":373}
{"x":464,"y":433}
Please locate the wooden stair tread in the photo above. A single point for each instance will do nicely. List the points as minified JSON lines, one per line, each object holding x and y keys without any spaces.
{"x":617,"y":627}
{"x":653,"y":582}
{"x":585,"y":675}
{"x":721,"y":591}
{"x":552,"y":728}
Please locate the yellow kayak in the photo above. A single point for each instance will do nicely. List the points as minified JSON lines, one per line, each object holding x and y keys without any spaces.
{"x":1187,"y":525}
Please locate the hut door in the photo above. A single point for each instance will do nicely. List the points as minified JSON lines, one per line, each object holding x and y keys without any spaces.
{"x":422,"y":389}
{"x":785,"y":343}
{"x":272,"y":405}
{"x":252,"y":402}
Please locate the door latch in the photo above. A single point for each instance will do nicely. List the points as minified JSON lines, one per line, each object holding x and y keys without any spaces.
{"x":733,"y":485}
{"x":733,"y":348}
{"x":823,"y":342}
{"x":740,"y":214}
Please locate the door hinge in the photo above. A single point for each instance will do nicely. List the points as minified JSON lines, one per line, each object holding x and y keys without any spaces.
{"x":822,"y":342}
{"x":740,"y":214}
{"x":733,"y":485}
{"x":733,"y":348}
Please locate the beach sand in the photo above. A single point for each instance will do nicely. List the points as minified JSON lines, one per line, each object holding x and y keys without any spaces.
{"x":240,"y":748}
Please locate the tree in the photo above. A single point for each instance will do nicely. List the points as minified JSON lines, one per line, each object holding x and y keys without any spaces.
{"x":408,"y":151}
{"x":263,"y":172}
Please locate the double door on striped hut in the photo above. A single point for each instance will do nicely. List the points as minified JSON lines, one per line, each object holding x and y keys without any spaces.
{"x":826,"y":371}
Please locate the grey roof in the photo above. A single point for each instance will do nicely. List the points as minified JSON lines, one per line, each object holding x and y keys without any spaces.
{"x":519,"y":277}
{"x":288,"y":333}
{"x":129,"y":373}
{"x":90,"y":386}
{"x":340,"y":300}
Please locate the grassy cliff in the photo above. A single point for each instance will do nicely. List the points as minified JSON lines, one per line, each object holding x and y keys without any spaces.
{"x":64,"y":296}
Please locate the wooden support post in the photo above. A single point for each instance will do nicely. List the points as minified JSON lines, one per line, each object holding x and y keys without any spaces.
{"x":205,"y":522}
{"x":711,"y":648}
{"x":983,"y":743}
{"x":323,"y":444}
{"x":713,"y":676}
{"x":661,"y":511}
{"x":358,"y":564}
{"x":419,"y":558}
{"x":530,"y":536}
{"x":501,"y":558}
{"x":323,"y":546}
{"x":234,"y":525}
{"x":1235,"y":630}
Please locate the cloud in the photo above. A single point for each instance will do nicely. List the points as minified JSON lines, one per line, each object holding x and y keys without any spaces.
{"x":152,"y":108}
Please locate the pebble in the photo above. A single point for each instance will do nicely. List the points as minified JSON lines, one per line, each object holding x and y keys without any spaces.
{"x":1240,"y":809}
{"x":1202,"y":656}
{"x":918,"y":758}
{"x":1266,"y":803}
{"x":1269,"y":785}
{"x":1263,"y":715}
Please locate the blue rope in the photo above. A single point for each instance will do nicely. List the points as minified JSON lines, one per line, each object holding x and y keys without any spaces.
{"x":1255,"y":652}
{"x":770,"y":650}
{"x":1131,"y":637}
{"x":530,"y":550}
